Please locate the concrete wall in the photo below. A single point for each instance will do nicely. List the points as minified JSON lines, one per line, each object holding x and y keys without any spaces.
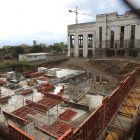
{"x":106,"y":21}
{"x":56,"y":57}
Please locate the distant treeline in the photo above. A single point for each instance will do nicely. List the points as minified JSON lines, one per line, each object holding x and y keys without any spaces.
{"x":13,"y":51}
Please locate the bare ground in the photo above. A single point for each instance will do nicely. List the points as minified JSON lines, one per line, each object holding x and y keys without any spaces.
{"x":112,"y":70}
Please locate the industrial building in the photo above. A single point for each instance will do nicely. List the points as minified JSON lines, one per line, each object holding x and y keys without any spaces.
{"x":110,"y":35}
{"x":30,"y":57}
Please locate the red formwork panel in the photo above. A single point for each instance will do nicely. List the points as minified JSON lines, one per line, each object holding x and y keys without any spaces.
{"x":32,"y":75}
{"x":40,"y":73}
{"x":43,"y":79}
{"x":26,"y":74}
{"x":27,"y":92}
{"x":49,"y":76}
{"x":18,"y":134}
{"x":56,"y":130}
{"x":46,"y":94}
{"x":49,"y":102}
{"x":30,"y":103}
{"x":46,"y":87}
{"x":21,"y":113}
{"x":2,"y":82}
{"x":67,"y":115}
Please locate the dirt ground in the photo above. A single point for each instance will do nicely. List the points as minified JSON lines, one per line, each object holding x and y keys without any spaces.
{"x":112,"y":70}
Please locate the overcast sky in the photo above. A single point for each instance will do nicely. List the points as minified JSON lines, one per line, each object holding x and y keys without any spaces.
{"x":21,"y":21}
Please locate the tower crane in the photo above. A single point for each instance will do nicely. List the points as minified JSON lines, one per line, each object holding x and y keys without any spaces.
{"x":76,"y":12}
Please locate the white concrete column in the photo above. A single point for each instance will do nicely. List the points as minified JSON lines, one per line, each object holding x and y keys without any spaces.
{"x":137,"y":32}
{"x":76,"y":47}
{"x":117,"y":32}
{"x":129,"y":32}
{"x":85,"y":45}
{"x":125,"y":32}
{"x":68,"y":45}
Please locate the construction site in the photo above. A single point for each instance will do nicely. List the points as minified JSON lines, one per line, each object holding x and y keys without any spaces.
{"x":76,"y":99}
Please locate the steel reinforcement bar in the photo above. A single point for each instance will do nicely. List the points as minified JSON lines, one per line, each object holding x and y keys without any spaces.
{"x":94,"y":125}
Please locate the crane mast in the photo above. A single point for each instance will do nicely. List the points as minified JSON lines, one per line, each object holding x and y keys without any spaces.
{"x":76,"y":12}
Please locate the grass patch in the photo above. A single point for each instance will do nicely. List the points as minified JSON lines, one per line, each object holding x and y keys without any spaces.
{"x":7,"y":64}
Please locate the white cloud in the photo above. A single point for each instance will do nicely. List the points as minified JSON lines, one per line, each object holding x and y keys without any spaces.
{"x":46,"y":20}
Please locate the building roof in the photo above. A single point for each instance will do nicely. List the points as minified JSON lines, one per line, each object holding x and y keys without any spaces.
{"x":33,"y":54}
{"x":25,"y":54}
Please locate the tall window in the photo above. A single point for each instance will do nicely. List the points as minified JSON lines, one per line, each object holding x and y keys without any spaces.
{"x":112,"y":37}
{"x":72,"y":41}
{"x":80,"y":41}
{"x":100,"y":37}
{"x":122,"y":30}
{"x":90,"y":40}
{"x":132,"y":38}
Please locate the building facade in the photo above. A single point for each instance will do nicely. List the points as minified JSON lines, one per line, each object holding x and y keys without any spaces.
{"x":110,"y":35}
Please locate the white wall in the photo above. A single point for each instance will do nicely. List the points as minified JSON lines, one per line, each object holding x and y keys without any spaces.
{"x":33,"y":58}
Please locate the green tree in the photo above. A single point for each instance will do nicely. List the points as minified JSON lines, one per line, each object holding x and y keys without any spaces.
{"x":49,"y":48}
{"x":36,"y":49}
{"x":18,"y":50}
{"x":42,"y":45}
{"x":24,"y":60}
